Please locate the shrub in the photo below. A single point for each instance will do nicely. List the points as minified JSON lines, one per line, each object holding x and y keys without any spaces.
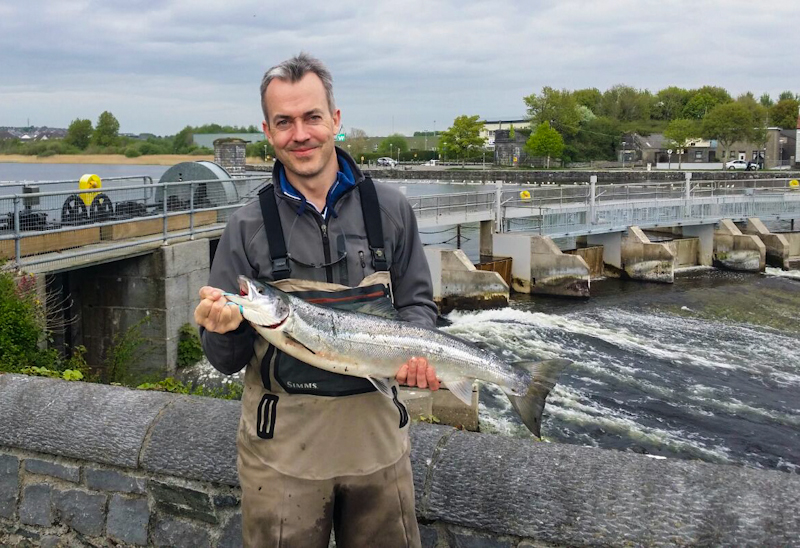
{"x":132,"y":152}
{"x":190,"y":350}
{"x":125,"y":350}
{"x":21,"y":326}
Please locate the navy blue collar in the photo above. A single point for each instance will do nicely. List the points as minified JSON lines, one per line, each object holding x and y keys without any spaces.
{"x":345,"y":180}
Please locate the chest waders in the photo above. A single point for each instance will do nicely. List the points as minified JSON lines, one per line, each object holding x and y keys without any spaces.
{"x":305,"y":421}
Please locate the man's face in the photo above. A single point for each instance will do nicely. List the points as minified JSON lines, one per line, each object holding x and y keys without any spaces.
{"x":301,"y":127}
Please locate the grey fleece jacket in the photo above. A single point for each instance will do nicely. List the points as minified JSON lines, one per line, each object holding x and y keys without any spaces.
{"x":243,"y":249}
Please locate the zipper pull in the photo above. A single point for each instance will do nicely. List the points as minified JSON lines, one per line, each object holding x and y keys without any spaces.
{"x":324,"y":229}
{"x":361,"y":256}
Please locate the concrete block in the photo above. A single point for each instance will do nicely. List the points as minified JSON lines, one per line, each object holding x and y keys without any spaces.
{"x":433,"y":255}
{"x":82,"y":511}
{"x":486,"y":242}
{"x":128,"y":520}
{"x":35,"y":507}
{"x":516,"y":246}
{"x":184,"y":257}
{"x":452,"y":411}
{"x":9,"y":485}
{"x":736,"y":251}
{"x":418,"y":402}
{"x":179,"y":534}
{"x":685,"y":251}
{"x":47,"y":468}
{"x":777,"y":246}
{"x":210,"y":457}
{"x":459,"y":538}
{"x":593,"y":256}
{"x":612,"y":247}
{"x":555,"y":273}
{"x":111,"y":480}
{"x":644,"y":260}
{"x":88,"y":417}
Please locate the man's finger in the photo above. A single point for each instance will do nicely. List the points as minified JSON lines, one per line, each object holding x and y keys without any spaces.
{"x":412,"y":372}
{"x":422,"y":368}
{"x":208,"y":292}
{"x":402,"y":374}
{"x":433,"y":382}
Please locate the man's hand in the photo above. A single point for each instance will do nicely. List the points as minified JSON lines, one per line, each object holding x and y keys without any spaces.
{"x":214,"y":313}
{"x":417,"y":372}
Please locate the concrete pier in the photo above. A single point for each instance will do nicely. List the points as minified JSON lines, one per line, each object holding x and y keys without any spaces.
{"x":644,"y":260}
{"x":539,"y":266}
{"x":736,"y":251}
{"x":705,"y":244}
{"x":782,"y":250}
{"x":458,"y":284}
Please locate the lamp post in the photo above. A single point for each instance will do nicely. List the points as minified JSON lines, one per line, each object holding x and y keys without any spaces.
{"x":623,"y":154}
{"x":391,"y":150}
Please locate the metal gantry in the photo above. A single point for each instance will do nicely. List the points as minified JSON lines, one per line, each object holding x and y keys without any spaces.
{"x":61,"y":229}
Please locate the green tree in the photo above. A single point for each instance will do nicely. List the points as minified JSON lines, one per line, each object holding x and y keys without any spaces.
{"x":183,"y":142}
{"x":559,"y":108}
{"x":590,"y":98}
{"x":393,"y":143}
{"x":679,"y":132}
{"x":728,"y":124}
{"x":79,"y":133}
{"x":511,"y":133}
{"x":670,"y":102}
{"x":766,"y":100}
{"x":784,"y":113}
{"x":545,"y":141}
{"x":106,"y":132}
{"x":597,"y":139}
{"x":357,"y":142}
{"x":627,"y":104}
{"x":786,"y":95}
{"x":463,"y":137}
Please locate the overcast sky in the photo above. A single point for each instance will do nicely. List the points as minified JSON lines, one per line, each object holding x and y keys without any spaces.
{"x":159,"y":65}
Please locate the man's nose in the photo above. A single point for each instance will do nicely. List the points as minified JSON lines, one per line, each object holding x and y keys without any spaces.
{"x":300,"y":131}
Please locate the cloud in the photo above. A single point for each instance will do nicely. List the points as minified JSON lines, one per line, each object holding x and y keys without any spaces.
{"x":160,"y":65}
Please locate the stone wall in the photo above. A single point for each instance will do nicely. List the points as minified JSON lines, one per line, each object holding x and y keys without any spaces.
{"x":94,"y":465}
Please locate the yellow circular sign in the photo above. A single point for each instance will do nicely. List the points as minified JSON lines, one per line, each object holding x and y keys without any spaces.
{"x":794,"y":183}
{"x":525,"y":195}
{"x":89,"y":181}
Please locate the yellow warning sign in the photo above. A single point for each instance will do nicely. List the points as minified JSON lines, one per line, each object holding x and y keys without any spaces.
{"x":794,"y":183}
{"x":525,"y":195}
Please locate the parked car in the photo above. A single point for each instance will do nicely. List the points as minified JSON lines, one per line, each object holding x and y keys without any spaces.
{"x":742,"y":164}
{"x":386,"y":161}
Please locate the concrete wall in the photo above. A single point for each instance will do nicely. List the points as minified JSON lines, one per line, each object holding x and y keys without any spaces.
{"x":93,"y":465}
{"x":540,"y":267}
{"x":594,"y":259}
{"x":736,"y":251}
{"x":685,"y":250}
{"x":705,"y":243}
{"x":644,"y":260}
{"x":157,"y":291}
{"x":458,"y":284}
{"x":777,"y":247}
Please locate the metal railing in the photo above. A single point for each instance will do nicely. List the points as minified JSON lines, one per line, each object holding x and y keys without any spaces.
{"x":58,"y":228}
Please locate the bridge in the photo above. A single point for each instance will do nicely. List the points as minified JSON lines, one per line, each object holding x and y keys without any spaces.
{"x":45,"y":231}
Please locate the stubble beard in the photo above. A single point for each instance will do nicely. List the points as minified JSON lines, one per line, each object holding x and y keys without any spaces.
{"x":311,"y":166}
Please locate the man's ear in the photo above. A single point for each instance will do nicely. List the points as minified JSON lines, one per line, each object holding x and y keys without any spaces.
{"x":265,"y":129}
{"x":337,"y":118}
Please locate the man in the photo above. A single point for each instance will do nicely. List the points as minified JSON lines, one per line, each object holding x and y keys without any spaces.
{"x":318,"y":449}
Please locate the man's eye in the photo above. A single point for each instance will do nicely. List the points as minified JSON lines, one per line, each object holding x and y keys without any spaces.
{"x":282,"y":123}
{"x":316,"y":118}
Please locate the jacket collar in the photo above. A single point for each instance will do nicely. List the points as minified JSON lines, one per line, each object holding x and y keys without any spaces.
{"x":348,"y":177}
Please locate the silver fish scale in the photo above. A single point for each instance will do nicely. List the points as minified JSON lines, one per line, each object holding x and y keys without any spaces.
{"x":378,"y":346}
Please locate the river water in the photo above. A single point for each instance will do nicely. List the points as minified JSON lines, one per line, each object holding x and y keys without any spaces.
{"x":707,"y":368}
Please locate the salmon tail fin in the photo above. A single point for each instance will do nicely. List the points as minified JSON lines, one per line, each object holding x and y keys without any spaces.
{"x":543,"y":378}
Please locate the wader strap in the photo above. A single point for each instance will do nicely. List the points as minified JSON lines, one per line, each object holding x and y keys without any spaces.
{"x":272,"y":225}
{"x":371,"y":211}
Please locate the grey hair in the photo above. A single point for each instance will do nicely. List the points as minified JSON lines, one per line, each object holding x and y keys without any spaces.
{"x":292,"y":71}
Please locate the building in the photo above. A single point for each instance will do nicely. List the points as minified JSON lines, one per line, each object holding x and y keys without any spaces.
{"x":490,"y":128}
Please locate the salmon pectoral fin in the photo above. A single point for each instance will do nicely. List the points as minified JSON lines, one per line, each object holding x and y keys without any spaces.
{"x":384,"y":386}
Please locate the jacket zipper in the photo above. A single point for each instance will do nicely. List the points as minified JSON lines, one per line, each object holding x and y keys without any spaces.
{"x":326,"y":247}
{"x":363,"y":264}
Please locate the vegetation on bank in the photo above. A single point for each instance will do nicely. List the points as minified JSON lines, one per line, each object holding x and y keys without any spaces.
{"x":26,"y":329}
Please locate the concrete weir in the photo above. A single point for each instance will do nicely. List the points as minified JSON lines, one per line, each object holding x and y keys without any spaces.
{"x":782,"y":250}
{"x":539,"y":266}
{"x":458,"y":284}
{"x":736,"y":251}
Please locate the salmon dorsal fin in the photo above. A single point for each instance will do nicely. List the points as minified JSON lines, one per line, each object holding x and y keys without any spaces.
{"x":379,"y":307}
